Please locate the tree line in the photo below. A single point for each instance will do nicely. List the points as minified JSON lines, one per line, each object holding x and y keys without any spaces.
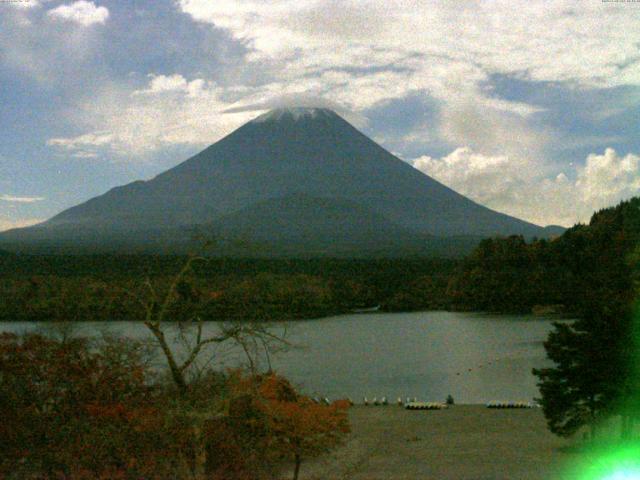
{"x":512,"y":275}
{"x":93,"y":287}
{"x":502,"y":275}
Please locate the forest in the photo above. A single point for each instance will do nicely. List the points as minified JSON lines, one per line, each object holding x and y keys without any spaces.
{"x":505,"y":275}
{"x":502,"y":275}
{"x":569,"y":273}
{"x":104,"y":287}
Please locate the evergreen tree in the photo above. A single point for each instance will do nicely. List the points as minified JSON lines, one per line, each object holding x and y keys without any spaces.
{"x":595,"y":374}
{"x":590,"y":379}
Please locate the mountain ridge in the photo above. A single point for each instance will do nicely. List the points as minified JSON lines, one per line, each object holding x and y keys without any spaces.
{"x":294,"y":153}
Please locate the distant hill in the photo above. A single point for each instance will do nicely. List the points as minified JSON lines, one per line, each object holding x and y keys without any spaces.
{"x":291,"y":182}
{"x":552,"y":231}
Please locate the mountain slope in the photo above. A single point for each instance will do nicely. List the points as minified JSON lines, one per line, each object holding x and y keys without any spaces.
{"x":313,"y":158}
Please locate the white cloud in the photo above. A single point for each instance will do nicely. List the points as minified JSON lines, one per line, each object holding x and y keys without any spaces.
{"x":607,"y":178}
{"x":172,"y":83}
{"x":475,"y":173}
{"x":580,"y":42}
{"x":84,"y":154}
{"x":355,"y":53}
{"x":49,"y":52}
{"x":81,"y":12}
{"x":8,"y":223}
{"x":163,"y":83}
{"x":301,"y":100}
{"x":170,"y":110}
{"x":22,"y":199}
{"x":95,"y":139}
{"x":82,"y":146}
{"x":489,"y":130}
{"x":23,"y":4}
{"x":518,"y":188}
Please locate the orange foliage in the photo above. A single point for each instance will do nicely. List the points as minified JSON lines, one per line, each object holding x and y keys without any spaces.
{"x":215,"y":295}
{"x":294,"y":426}
{"x":74,"y":413}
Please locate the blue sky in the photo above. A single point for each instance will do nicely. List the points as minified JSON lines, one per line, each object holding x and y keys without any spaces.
{"x":531,"y":108}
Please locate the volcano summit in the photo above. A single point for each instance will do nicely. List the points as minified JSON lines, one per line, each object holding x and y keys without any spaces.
{"x":299,"y":181}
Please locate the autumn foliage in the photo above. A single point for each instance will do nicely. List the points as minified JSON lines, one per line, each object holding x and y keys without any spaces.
{"x":267,"y":423}
{"x":71,"y":410}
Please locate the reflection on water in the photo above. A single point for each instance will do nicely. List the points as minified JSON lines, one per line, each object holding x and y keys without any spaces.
{"x":474,"y":357}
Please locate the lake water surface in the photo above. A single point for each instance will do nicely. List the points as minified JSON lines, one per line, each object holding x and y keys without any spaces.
{"x":474,"y":357}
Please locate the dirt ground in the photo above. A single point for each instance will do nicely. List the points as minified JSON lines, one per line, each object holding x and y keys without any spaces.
{"x":469,"y":442}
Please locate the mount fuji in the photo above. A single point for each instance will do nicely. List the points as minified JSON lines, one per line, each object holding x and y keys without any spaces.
{"x":292,"y":182}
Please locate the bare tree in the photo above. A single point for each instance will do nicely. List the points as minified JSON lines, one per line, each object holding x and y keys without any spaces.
{"x":253,"y":338}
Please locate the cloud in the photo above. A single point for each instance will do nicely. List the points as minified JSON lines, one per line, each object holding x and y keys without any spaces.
{"x":8,"y":224}
{"x":474,"y":174}
{"x":23,"y":4}
{"x":87,"y":145}
{"x":172,"y":83}
{"x":96,"y":139}
{"x":13,"y":198}
{"x":301,"y":100}
{"x":516,"y":187}
{"x":364,"y":54}
{"x":50,"y":52}
{"x":607,"y":178}
{"x":490,"y":130}
{"x":358,"y":55}
{"x":84,"y":154}
{"x":590,"y":43}
{"x":173,"y":110}
{"x":82,"y":12}
{"x":169,"y":110}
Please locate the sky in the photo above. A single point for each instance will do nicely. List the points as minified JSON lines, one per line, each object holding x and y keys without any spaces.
{"x":531,"y":108}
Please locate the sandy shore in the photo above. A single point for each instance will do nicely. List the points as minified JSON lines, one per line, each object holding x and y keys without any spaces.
{"x":467,"y":442}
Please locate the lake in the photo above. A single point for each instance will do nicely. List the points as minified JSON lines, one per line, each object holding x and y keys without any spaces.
{"x":474,"y":357}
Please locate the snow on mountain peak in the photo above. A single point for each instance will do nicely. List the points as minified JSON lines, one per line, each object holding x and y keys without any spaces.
{"x":294,"y":112}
